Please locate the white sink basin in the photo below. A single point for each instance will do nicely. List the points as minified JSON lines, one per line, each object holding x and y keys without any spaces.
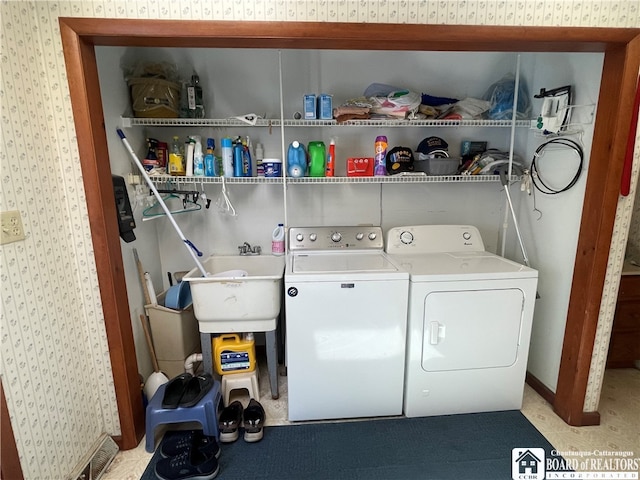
{"x":239,"y":293}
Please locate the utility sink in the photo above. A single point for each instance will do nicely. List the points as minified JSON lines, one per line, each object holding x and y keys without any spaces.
{"x":239,"y":293}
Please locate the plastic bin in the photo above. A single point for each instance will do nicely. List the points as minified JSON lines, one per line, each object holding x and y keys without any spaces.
{"x":437,"y":166}
{"x":175,"y":335}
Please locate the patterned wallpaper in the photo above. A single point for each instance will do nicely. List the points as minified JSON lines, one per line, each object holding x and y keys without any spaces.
{"x":55,"y":363}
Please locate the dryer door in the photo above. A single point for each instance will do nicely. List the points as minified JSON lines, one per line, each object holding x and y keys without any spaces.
{"x":471,"y":329}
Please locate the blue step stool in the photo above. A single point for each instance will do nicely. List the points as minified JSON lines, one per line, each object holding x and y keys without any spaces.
{"x":205,"y":412}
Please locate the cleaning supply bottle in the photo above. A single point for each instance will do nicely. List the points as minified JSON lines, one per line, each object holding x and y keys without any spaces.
{"x":331,"y":159}
{"x":176,"y":158}
{"x":296,"y":160}
{"x":233,"y":354}
{"x":210,"y":169}
{"x":277,"y":240}
{"x":380,"y":163}
{"x":198,"y":158}
{"x":238,"y":159}
{"x":227,"y":157}
{"x":247,"y":170}
{"x":259,"y":158}
{"x":317,"y":157}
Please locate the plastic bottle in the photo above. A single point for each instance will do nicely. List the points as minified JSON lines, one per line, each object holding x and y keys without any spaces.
{"x":176,"y":159}
{"x":296,"y":160}
{"x":380,"y":164}
{"x":259,"y":158}
{"x":227,"y":157}
{"x":210,"y":169}
{"x":331,"y":159}
{"x":198,"y":159}
{"x":238,"y":160}
{"x":247,"y":169}
{"x":317,"y":158}
{"x":277,"y":240}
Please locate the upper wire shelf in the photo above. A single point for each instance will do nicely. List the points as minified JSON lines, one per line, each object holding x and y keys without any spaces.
{"x":262,"y":122}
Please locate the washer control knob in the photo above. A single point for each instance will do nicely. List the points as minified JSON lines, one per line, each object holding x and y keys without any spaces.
{"x":466,"y":235}
{"x":359,"y":236}
{"x":372,"y":236}
{"x":406,"y":237}
{"x":336,"y":237}
{"x":313,"y":237}
{"x":299,"y":237}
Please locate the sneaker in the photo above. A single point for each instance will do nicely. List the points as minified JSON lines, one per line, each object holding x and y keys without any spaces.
{"x":176,"y":442}
{"x":191,"y":464}
{"x":253,"y":421}
{"x":229,"y":422}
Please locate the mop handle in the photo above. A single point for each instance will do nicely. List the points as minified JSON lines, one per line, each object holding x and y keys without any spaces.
{"x":505,"y":184}
{"x":190,"y":246}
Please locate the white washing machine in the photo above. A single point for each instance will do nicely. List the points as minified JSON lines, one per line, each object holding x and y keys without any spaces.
{"x":346,"y":315}
{"x":469,"y":321}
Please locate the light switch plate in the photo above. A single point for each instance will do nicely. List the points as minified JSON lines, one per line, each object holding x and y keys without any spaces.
{"x":12,"y":230}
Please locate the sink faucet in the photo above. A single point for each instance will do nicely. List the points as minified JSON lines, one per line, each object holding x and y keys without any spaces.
{"x":247,"y":249}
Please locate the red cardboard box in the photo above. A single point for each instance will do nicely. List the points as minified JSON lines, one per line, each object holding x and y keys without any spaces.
{"x":360,"y":167}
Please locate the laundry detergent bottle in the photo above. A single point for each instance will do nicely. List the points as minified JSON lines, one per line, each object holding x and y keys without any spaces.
{"x":317,"y":156}
{"x":296,"y":160}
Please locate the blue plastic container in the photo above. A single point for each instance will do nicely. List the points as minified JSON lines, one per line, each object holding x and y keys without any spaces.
{"x":296,"y":160}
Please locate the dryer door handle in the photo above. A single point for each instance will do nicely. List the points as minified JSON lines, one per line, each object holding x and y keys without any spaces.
{"x":434,"y":333}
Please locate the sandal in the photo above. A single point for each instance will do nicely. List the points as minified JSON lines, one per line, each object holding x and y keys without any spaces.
{"x":253,"y":422}
{"x":195,"y":389}
{"x":229,"y":422}
{"x":174,"y":390}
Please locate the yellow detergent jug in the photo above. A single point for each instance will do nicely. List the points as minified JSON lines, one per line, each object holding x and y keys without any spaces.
{"x":232,"y":354}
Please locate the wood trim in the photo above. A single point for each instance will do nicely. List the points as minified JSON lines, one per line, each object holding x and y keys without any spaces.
{"x":619,"y":77}
{"x":86,"y":101}
{"x":80,"y":35}
{"x":540,"y":388}
{"x":10,"y":468}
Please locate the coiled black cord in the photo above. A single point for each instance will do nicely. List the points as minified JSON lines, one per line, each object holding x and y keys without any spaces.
{"x":535,"y":174}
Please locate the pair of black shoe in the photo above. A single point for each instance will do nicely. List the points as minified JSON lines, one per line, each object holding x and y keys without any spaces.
{"x":233,"y":416}
{"x":185,"y":390}
{"x":188,"y":455}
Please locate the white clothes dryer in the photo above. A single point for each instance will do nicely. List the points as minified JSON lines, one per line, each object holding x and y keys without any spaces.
{"x":469,"y":321}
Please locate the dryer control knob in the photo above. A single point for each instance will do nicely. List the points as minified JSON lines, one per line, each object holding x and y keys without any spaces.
{"x":406,"y":237}
{"x":299,"y":237}
{"x":466,"y":235}
{"x":336,"y":237}
{"x":359,"y":236}
{"x":313,"y":237}
{"x":372,"y":236}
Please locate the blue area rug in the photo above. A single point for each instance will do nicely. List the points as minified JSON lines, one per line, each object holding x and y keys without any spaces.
{"x":457,"y":447}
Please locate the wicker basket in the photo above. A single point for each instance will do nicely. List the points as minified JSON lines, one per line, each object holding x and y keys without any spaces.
{"x":154,"y":98}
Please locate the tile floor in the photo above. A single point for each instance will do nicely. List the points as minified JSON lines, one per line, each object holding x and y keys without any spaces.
{"x":619,"y":429}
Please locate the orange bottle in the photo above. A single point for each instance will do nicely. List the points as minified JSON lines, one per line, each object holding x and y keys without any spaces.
{"x":331,"y":159}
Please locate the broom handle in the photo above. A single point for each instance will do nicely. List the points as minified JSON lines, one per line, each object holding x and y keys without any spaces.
{"x":143,"y":281}
{"x":147,"y":335}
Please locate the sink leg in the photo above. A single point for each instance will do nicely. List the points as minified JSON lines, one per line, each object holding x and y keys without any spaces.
{"x":272,"y":362}
{"x":207,"y":353}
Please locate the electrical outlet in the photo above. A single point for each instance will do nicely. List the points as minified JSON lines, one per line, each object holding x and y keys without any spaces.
{"x":12,"y":230}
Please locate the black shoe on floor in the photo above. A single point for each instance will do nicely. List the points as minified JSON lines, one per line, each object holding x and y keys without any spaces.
{"x":191,"y":464}
{"x":253,"y":422}
{"x":174,"y":390}
{"x":195,"y":389}
{"x":229,"y":422}
{"x":176,"y":442}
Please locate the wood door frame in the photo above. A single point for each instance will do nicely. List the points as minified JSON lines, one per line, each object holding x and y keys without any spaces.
{"x":621,"y":48}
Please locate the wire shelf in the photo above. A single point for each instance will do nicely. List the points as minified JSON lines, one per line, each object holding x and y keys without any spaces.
{"x":261,"y":122}
{"x":181,"y":180}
